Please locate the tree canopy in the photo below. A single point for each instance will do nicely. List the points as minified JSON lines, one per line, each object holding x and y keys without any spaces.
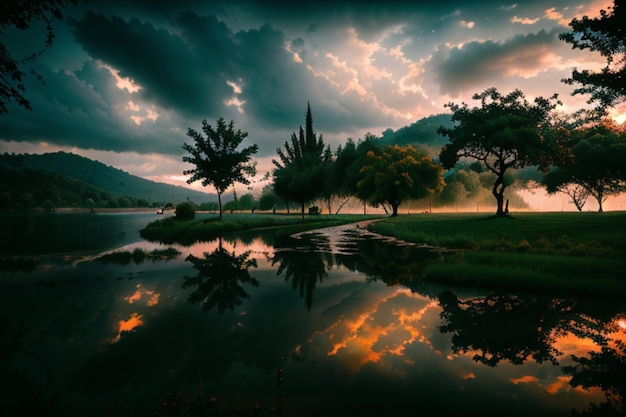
{"x":505,"y":132}
{"x":399,"y":173}
{"x":606,"y":35}
{"x":216,"y":158}
{"x":301,"y":166}
{"x":597,"y":169}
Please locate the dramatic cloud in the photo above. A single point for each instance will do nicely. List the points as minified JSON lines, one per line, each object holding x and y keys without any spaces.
{"x":125,"y":80}
{"x":461,"y":69}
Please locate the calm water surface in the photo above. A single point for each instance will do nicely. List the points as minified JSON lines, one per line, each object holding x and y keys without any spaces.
{"x":332,"y":323}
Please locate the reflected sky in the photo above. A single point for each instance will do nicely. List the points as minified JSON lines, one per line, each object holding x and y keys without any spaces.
{"x":361,"y":344}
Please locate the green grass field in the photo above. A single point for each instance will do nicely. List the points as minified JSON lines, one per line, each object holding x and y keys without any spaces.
{"x":583,"y":253}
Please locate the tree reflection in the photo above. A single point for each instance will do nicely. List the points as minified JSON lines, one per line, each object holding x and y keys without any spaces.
{"x":395,"y":265}
{"x":305,"y":265}
{"x":503,"y":327}
{"x":604,"y":369}
{"x":220,"y":279}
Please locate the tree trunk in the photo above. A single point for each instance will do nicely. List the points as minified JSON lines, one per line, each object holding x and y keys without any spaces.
{"x":394,"y":209}
{"x":302,"y":212}
{"x":498,"y":193}
{"x":219,"y":202}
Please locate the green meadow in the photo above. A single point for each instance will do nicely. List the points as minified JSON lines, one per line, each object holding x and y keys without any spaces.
{"x":562,"y":253}
{"x":170,"y":230}
{"x":557,"y":253}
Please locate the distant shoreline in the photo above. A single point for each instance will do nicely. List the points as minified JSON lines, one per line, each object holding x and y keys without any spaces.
{"x":66,"y":210}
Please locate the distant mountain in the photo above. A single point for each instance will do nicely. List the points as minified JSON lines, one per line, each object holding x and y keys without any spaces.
{"x":103,"y":177}
{"x":421,"y":134}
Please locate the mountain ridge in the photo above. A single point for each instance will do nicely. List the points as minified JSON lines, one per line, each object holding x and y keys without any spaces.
{"x":104,"y":177}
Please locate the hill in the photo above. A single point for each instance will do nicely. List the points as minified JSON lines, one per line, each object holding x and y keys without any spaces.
{"x":421,"y":134}
{"x":86,"y":174}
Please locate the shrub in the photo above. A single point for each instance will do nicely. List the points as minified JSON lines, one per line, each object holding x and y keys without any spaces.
{"x":185,"y":211}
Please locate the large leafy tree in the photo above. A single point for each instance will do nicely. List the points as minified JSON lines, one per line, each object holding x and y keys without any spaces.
{"x":597,"y":168}
{"x":21,"y":14}
{"x":356,"y":161}
{"x":399,"y":173}
{"x":605,"y":34}
{"x":301,"y":166}
{"x":216,"y":158}
{"x":505,"y":132}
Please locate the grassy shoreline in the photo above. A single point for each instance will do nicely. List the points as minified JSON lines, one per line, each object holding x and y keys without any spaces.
{"x":552,"y":252}
{"x":564,"y":253}
{"x":170,"y":230}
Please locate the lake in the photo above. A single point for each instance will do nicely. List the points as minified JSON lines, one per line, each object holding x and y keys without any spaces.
{"x":335,"y":322}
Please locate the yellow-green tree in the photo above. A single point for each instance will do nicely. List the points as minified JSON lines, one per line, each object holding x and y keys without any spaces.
{"x":399,"y":173}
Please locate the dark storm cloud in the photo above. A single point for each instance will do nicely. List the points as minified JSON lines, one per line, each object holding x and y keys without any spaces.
{"x":74,"y":109}
{"x":462,"y":68}
{"x":172,"y":73}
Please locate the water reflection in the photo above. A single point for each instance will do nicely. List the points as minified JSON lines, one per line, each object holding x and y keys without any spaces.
{"x":393,"y":264}
{"x":21,"y":394}
{"x":605,"y":369}
{"x":375,"y":339}
{"x":220,"y":278}
{"x":515,"y":329}
{"x":305,"y":265}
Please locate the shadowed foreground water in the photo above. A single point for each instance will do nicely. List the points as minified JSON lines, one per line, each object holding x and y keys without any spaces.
{"x":335,"y":322}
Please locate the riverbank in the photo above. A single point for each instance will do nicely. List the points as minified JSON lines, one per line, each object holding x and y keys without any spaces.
{"x":583,"y":253}
{"x":170,"y":230}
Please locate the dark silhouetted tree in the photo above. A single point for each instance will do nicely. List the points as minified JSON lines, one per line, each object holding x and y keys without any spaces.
{"x":505,"y":132}
{"x":216,"y":158}
{"x":301,"y":166}
{"x":597,"y":169}
{"x":607,"y":35}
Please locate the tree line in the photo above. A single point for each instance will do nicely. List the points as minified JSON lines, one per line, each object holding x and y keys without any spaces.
{"x":30,"y":188}
{"x":581,"y":155}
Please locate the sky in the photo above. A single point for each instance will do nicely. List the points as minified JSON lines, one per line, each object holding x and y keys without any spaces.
{"x":125,"y":80}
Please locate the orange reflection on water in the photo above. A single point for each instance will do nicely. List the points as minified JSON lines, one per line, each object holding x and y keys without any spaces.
{"x":152,"y":296}
{"x":376,"y":332}
{"x":128,"y":325}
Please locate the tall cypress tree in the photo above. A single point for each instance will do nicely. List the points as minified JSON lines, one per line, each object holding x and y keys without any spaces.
{"x":299,"y":173}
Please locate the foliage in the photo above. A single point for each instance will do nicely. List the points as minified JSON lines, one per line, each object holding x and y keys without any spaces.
{"x":505,"y":132}
{"x":220,"y":278}
{"x":606,"y":35}
{"x":301,"y":166}
{"x":185,"y":211}
{"x":269,"y":200}
{"x":20,"y":15}
{"x":209,"y":206}
{"x":216,"y":159}
{"x":245,"y":202}
{"x":352,"y":159}
{"x":107,"y":182}
{"x":28,"y":188}
{"x":597,"y":169}
{"x":396,"y":174}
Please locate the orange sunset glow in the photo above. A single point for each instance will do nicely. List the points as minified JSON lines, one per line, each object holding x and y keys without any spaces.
{"x":369,"y":337}
{"x":133,"y":322}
